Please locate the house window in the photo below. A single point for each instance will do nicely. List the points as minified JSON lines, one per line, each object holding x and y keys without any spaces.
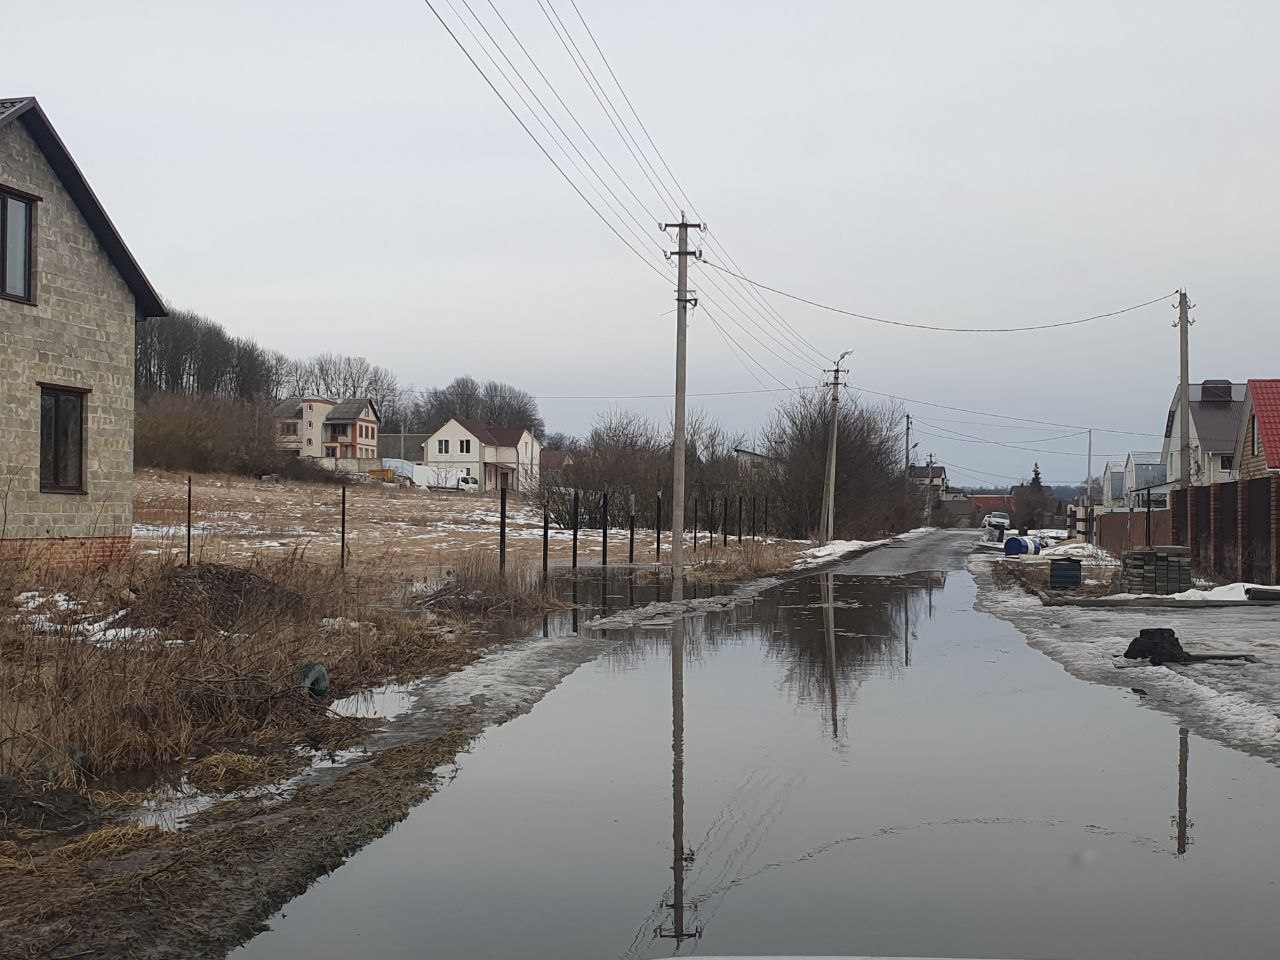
{"x":308,"y":441}
{"x":61,"y":440}
{"x":1228,"y":462}
{"x":466,"y":471}
{"x":16,"y":253}
{"x":464,"y":446}
{"x":442,"y":446}
{"x":289,"y":429}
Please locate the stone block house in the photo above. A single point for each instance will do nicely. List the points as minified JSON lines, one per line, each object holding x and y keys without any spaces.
{"x":70,"y":295}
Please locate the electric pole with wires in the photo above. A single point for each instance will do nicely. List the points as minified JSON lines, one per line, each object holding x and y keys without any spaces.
{"x":826,"y":531}
{"x":684,"y":299}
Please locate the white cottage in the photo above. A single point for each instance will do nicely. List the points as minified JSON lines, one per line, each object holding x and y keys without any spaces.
{"x":499,"y":456}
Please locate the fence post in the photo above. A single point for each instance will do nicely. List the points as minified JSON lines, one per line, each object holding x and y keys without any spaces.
{"x":753,"y":516}
{"x":502,"y":531}
{"x":657,"y":529}
{"x":546,"y":537}
{"x":604,"y":529}
{"x":631,"y":538}
{"x":739,"y":518}
{"x":764,"y":523}
{"x":724,"y":522}
{"x":695,"y":524}
{"x":188,"y":520}
{"x":574,"y":560}
{"x":1275,"y":530}
{"x":342,"y":537}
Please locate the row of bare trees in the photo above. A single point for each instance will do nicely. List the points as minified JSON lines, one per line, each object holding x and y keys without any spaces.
{"x":629,"y":455}
{"x":186,"y":353}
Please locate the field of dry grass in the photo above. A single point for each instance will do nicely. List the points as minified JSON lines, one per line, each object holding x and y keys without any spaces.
{"x":411,"y":531}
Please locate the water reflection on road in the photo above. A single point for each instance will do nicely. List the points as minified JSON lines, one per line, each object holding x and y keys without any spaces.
{"x":850,"y":764}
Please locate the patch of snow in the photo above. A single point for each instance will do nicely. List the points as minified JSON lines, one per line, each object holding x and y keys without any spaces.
{"x":1229,"y":591}
{"x":1236,"y":703}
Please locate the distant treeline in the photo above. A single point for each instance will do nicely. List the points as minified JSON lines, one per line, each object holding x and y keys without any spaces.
{"x":186,"y":354}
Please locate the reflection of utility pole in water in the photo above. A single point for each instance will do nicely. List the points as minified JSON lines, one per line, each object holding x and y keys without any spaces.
{"x":906,"y":626}
{"x":679,"y":858}
{"x":1181,"y":823}
{"x":829,"y":623}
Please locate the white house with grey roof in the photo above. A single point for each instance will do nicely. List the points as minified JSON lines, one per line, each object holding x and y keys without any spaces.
{"x":320,"y":427}
{"x":70,"y":296}
{"x":1217,"y":414}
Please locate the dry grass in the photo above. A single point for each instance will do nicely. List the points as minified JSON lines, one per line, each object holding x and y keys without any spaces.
{"x":148,"y":663}
{"x":225,"y":771}
{"x":113,"y":841}
{"x":475,"y":584}
{"x":745,"y":561}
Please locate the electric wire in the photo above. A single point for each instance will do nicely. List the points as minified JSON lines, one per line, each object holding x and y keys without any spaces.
{"x":925,"y":326}
{"x":498,"y":93}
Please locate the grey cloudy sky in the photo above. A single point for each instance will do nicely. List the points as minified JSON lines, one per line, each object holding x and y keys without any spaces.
{"x":336,"y":176}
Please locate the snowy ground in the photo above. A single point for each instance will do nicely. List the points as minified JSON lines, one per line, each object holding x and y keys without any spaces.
{"x":1234,"y":702}
{"x":840,"y":549}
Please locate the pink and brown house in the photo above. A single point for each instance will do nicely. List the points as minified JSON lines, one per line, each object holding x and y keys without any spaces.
{"x":319,"y":427}
{"x":70,"y":296}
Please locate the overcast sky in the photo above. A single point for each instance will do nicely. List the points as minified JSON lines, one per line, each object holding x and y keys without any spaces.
{"x":336,"y":176}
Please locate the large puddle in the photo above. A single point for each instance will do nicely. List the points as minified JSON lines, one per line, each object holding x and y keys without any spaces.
{"x":850,"y":765}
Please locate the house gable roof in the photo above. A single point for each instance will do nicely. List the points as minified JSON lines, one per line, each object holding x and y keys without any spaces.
{"x":1264,"y":403}
{"x":287,"y":409}
{"x":487,"y":434}
{"x":33,"y":119}
{"x":926,"y":472}
{"x":555,"y":459}
{"x":345,"y":411}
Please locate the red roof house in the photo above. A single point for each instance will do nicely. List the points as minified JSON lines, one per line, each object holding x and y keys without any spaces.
{"x":1258,"y":449}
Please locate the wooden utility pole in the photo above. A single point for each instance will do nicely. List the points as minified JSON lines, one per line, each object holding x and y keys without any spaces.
{"x":1184,"y":404}
{"x":683,"y":301}
{"x":826,"y":530}
{"x":906,"y":475}
{"x":1088,"y":475}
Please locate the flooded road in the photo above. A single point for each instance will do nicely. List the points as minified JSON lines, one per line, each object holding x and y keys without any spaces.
{"x":857,"y":763}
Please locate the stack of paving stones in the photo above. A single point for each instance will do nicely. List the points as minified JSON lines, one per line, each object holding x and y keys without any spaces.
{"x":1158,"y":570}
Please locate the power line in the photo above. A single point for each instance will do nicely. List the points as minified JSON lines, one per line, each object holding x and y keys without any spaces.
{"x":641,"y":233}
{"x":751,"y":291}
{"x":525,"y":127}
{"x":925,"y":326}
{"x":1003,"y":416}
{"x":1001,"y":443}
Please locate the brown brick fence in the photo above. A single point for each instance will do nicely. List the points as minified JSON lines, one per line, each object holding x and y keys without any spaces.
{"x":1232,"y":529}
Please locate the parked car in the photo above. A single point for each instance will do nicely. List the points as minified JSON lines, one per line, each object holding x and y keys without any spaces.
{"x":469,"y":484}
{"x":997,"y":519}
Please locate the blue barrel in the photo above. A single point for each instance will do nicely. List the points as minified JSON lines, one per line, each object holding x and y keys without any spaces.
{"x":1017,"y":546}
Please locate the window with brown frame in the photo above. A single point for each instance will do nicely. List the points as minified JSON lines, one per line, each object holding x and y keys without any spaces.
{"x":61,"y":440}
{"x":17,"y":252}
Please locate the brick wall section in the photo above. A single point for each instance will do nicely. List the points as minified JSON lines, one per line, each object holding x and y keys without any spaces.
{"x":79,"y":333}
{"x":1275,"y":530}
{"x":1242,"y":526}
{"x":1177,"y":533}
{"x":70,"y":555}
{"x":1193,"y":522}
{"x":1215,"y":524}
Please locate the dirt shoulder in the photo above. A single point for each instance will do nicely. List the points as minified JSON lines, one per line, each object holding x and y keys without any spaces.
{"x":195,"y":676}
